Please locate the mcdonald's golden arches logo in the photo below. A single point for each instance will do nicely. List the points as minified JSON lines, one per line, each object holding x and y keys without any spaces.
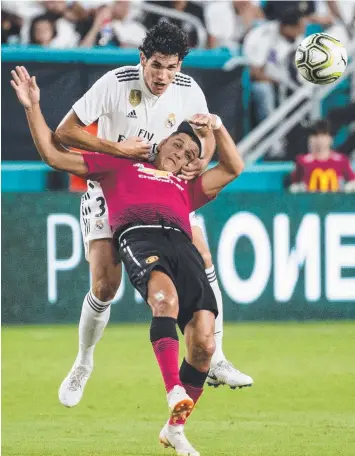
{"x":323,"y":180}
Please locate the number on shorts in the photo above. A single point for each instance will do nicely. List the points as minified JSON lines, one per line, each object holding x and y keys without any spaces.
{"x":102,"y":206}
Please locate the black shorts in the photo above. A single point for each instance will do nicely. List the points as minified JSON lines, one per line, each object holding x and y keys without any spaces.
{"x":144,"y":249}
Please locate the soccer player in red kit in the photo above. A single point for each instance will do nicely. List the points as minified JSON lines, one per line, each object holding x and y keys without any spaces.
{"x":144,"y":103}
{"x":322,"y":169}
{"x":149,"y":207}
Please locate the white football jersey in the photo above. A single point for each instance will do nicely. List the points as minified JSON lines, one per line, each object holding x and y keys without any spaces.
{"x":125,"y":106}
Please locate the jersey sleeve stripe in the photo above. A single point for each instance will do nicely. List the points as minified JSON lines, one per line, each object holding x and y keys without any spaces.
{"x":182,"y":85}
{"x":127,"y":73}
{"x":128,"y":79}
{"x":183,"y":78}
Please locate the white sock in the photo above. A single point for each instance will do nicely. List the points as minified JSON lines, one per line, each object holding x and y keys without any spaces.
{"x":95,"y":315}
{"x":218,"y":328}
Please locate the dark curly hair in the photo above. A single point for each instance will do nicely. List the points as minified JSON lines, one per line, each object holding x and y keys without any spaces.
{"x":166,"y":39}
{"x":320,"y":127}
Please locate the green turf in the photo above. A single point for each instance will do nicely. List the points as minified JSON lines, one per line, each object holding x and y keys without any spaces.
{"x":302,"y":403}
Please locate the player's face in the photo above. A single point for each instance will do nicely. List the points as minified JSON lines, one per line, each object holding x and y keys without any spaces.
{"x":176,"y":152}
{"x":320,"y":143}
{"x":159,"y":71}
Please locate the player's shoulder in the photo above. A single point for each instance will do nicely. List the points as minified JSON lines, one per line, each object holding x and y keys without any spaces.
{"x":126,"y":73}
{"x":183,"y":81}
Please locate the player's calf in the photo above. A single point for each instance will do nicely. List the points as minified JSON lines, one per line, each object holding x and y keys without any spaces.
{"x":163,"y":300}
{"x":199,"y":335}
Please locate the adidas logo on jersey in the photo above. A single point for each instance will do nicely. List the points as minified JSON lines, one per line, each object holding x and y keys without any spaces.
{"x":132,"y":115}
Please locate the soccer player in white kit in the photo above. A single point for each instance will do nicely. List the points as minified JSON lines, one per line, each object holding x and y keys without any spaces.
{"x":134,"y":105}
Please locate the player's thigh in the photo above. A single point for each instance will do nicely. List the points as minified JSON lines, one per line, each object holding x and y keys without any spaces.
{"x":194,"y":290}
{"x":104,"y":266}
{"x":199,"y":242}
{"x":162,"y":296}
{"x":146,"y":255}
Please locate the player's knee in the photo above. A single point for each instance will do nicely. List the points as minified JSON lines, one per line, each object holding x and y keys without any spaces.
{"x":105,"y":290}
{"x":208,"y":347}
{"x":207,"y":258}
{"x":203,"y":349}
{"x":164,"y":304}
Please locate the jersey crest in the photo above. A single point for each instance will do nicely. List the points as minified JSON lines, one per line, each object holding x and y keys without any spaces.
{"x":170,"y":121}
{"x":135,"y":97}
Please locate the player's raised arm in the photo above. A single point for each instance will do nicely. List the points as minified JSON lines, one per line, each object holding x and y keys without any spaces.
{"x":230,"y":163}
{"x":54,"y":155}
{"x":198,"y":105}
{"x":96,"y":102}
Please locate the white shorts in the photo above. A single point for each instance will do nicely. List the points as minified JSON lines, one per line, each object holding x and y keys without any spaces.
{"x":94,"y":220}
{"x":195,"y":220}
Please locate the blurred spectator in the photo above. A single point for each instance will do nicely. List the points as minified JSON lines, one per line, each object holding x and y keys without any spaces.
{"x":327,"y":17}
{"x":267,"y":48}
{"x":344,"y":13}
{"x":228,"y":22}
{"x":10,"y":28}
{"x":112,"y":25}
{"x":56,"y":11}
{"x":340,"y":117}
{"x":274,"y":9}
{"x":331,"y":16}
{"x":43,"y":30}
{"x":183,"y":6}
{"x":25,"y":10}
{"x":78,"y":11}
{"x":322,"y":169}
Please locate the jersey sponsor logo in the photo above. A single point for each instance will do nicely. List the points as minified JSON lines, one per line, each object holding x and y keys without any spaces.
{"x":323,"y":180}
{"x":151,"y":259}
{"x":142,"y":134}
{"x":170,"y":121}
{"x":158,"y":175}
{"x":153,"y":172}
{"x":132,"y":115}
{"x":135,"y":97}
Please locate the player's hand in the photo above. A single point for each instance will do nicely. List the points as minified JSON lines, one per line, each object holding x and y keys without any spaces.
{"x":192,"y":170}
{"x":204,"y":123}
{"x":135,"y":148}
{"x":25,"y":86}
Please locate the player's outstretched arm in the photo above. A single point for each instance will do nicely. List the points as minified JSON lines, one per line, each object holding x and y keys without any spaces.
{"x":71,"y":133}
{"x":54,"y":155}
{"x":230,"y":163}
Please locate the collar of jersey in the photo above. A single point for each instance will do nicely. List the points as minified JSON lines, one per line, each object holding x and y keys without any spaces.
{"x":145,"y":89}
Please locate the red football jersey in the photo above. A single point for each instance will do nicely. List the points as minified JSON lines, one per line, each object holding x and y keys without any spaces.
{"x":139,"y":193}
{"x":323,"y":175}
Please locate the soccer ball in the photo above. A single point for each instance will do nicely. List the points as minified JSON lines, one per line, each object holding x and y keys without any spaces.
{"x":321,"y":58}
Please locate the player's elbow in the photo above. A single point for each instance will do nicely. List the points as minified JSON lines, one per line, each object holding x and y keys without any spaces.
{"x":63,"y":135}
{"x":236,"y":168}
{"x":50,"y":159}
{"x":66,"y":131}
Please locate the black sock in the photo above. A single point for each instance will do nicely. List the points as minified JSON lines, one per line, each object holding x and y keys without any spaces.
{"x":191,"y":376}
{"x":163,"y":327}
